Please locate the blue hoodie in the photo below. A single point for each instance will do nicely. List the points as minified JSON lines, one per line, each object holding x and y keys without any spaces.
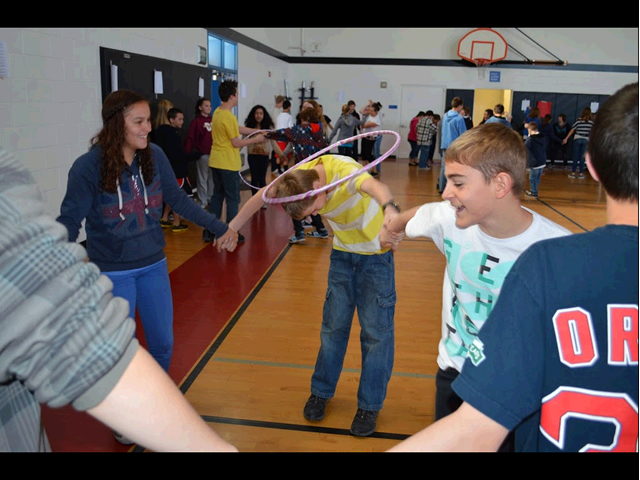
{"x":123,"y":228}
{"x":452,"y":127}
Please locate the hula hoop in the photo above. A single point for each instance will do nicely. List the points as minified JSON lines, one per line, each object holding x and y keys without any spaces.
{"x":355,"y":173}
{"x":240,"y":173}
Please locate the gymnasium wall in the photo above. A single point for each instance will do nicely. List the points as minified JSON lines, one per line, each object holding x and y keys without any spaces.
{"x":50,"y":104}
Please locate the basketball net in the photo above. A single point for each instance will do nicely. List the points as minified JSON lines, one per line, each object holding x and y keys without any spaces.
{"x":482,"y":64}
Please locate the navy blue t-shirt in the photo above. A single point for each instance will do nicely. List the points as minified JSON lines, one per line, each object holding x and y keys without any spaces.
{"x":557,"y":360}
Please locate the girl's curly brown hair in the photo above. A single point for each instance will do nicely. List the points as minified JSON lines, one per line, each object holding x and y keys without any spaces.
{"x":111,"y":140}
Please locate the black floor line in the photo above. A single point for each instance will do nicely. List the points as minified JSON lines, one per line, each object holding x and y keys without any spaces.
{"x":560,"y":213}
{"x":212,"y":350}
{"x":296,"y":427}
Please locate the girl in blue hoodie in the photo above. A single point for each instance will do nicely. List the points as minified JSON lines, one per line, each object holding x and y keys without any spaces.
{"x":119,"y":186}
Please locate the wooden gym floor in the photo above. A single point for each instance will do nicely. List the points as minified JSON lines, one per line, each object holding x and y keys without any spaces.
{"x":247,"y":328}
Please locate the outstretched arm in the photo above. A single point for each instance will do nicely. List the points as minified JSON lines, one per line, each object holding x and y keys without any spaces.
{"x":399,"y":223}
{"x":146,"y":406}
{"x":465,"y":430}
{"x":249,"y":208}
{"x":568,"y":136}
{"x":381,"y":194}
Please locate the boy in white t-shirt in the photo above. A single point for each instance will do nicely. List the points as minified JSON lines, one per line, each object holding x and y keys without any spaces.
{"x":482,"y":229}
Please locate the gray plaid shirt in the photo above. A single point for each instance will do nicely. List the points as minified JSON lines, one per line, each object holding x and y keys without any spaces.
{"x":64,"y":337}
{"x":425,"y":130}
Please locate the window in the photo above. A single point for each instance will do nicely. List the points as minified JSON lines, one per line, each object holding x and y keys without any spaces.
{"x":223,"y":55}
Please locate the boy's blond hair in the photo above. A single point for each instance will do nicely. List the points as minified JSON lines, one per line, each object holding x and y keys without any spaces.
{"x":492,"y":148}
{"x":294,"y":183}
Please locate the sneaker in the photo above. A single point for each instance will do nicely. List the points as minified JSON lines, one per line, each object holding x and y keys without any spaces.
{"x":319,"y":234}
{"x":529,"y":193}
{"x":240,"y":238}
{"x":297,"y":238}
{"x":572,"y":175}
{"x":179,"y":228}
{"x":364,"y":423}
{"x":581,"y":175}
{"x":424,"y":168}
{"x":122,"y":439}
{"x":207,"y":236}
{"x":306,"y":224}
{"x":314,"y":408}
{"x":166,"y":223}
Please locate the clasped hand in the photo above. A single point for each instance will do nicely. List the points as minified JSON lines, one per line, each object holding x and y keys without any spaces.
{"x":228,"y":241}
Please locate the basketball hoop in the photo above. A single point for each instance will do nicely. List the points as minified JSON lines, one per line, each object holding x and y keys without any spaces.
{"x":482,"y":64}
{"x":482,"y":47}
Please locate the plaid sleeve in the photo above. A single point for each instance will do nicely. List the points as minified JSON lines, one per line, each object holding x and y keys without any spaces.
{"x":65,"y":338}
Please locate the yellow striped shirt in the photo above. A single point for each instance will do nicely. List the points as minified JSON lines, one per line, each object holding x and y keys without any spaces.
{"x":355,"y":217}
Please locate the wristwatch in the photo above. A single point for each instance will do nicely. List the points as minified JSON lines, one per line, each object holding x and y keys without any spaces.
{"x":392,"y":203}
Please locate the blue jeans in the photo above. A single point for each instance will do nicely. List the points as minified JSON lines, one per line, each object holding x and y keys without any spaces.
{"x":376,"y":151}
{"x":442,"y":181}
{"x":534,"y":179}
{"x":365,"y":282}
{"x":149,"y":291}
{"x":579,"y":149}
{"x":226,"y":186}
{"x":414,"y":149}
{"x":424,"y":155}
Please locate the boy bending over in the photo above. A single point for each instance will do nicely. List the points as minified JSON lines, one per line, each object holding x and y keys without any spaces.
{"x":361,"y":276}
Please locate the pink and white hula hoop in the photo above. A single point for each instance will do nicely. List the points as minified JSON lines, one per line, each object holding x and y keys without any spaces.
{"x":355,"y":173}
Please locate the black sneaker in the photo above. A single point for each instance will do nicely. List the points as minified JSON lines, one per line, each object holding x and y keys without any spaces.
{"x":314,"y":408}
{"x":364,"y":423}
{"x":179,"y":228}
{"x":240,"y":238}
{"x":297,"y":238}
{"x":207,"y":236}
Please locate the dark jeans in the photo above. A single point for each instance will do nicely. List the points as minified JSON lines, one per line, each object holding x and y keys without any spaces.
{"x":347,"y":151}
{"x":366,"y":284}
{"x":258,"y":165}
{"x":226,"y":187}
{"x":367,"y":149}
{"x":315,"y":220}
{"x":447,"y":402}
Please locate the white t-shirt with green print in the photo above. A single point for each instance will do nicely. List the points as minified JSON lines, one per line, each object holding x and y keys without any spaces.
{"x":477,"y":265}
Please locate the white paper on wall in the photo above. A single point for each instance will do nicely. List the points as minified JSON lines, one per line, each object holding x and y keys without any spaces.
{"x":4,"y":60}
{"x":114,"y":77}
{"x":243,"y":91}
{"x":525,"y":105}
{"x":594,"y":107}
{"x":157,"y":82}
{"x":201,"y":87}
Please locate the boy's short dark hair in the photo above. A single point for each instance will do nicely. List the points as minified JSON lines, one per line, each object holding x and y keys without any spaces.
{"x":492,"y":148}
{"x":563,"y":117}
{"x":173,"y":113}
{"x":456,"y":102}
{"x":499,"y":108}
{"x":613,"y":144}
{"x":286,"y":104}
{"x":351,"y":102}
{"x":429,"y":113}
{"x":294,"y":183}
{"x":226,"y":89}
{"x":533,"y":127}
